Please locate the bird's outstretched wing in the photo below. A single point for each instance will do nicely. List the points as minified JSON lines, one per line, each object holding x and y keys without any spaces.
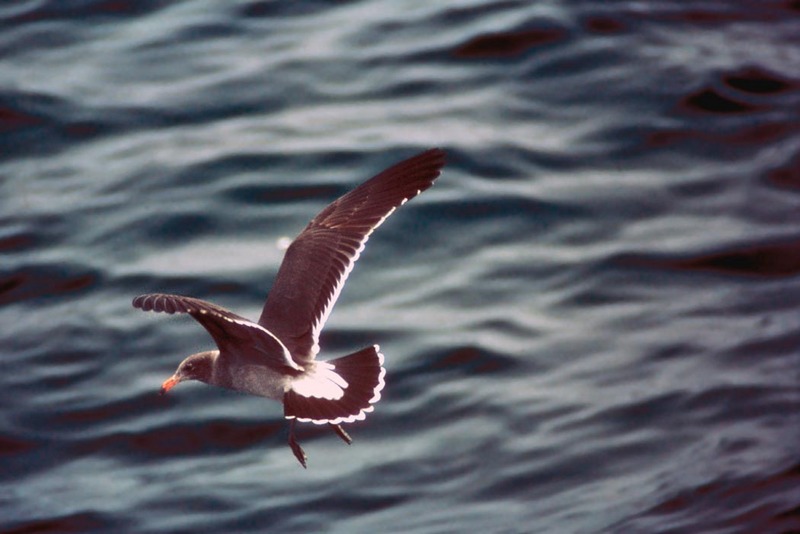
{"x":226,"y":328}
{"x":318,"y":261}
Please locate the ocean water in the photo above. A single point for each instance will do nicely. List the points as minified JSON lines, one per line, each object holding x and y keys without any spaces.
{"x":590,"y":321}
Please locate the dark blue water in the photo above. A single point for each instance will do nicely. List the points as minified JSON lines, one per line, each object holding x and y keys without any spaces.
{"x":591,"y":321}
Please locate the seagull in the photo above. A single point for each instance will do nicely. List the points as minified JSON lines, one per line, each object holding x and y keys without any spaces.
{"x":276,"y":356}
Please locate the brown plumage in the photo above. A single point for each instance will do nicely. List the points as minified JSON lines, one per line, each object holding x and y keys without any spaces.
{"x":276,"y":357}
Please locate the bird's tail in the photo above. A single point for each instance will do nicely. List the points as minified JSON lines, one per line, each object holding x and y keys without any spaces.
{"x":337,"y":391}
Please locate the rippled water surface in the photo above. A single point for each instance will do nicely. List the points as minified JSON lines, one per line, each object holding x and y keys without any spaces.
{"x":591,"y":321}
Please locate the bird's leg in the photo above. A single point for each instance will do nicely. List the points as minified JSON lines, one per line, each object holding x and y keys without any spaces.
{"x":341,"y":433}
{"x":296,"y":448}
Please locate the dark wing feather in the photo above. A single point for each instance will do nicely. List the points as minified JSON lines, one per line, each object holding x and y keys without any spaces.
{"x":233,"y":334}
{"x":317,"y":263}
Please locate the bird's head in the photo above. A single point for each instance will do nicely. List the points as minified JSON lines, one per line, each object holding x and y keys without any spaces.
{"x":195,"y":367}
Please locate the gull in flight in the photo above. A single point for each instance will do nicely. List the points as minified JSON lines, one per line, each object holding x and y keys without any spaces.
{"x":275,"y":357}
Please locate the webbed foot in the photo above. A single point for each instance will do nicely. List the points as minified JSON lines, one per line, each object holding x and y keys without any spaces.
{"x":341,"y":433}
{"x":296,"y":448}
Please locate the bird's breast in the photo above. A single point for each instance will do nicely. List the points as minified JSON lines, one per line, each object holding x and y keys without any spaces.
{"x":256,"y":380}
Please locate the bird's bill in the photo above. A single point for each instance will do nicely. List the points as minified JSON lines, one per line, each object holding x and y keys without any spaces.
{"x":169,"y":383}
